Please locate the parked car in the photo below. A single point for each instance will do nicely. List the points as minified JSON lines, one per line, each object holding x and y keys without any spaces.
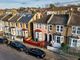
{"x":2,"y":40}
{"x":18,"y":45}
{"x":36,"y":52}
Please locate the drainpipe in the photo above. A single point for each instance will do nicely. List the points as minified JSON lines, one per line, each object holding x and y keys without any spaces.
{"x":66,"y":35}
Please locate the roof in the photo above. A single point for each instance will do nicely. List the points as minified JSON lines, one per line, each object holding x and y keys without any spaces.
{"x":6,"y":17}
{"x":1,"y":16}
{"x":43,"y":19}
{"x":75,"y":19}
{"x":60,"y":19}
{"x":25,"y":18}
{"x":65,"y":8}
{"x":15,"y":18}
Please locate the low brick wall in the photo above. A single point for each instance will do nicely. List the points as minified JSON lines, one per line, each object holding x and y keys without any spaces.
{"x":34,"y":43}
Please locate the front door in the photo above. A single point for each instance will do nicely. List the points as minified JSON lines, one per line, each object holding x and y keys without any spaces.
{"x":50,"y":38}
{"x":46,"y":37}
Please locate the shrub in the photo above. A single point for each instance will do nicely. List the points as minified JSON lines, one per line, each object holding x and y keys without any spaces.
{"x":64,"y":46}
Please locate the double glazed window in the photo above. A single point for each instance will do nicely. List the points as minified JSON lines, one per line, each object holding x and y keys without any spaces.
{"x":38,"y":25}
{"x":59,"y":39}
{"x":59,"y":28}
{"x":50,"y":27}
{"x":39,"y":35}
{"x":75,"y":30}
{"x":74,"y":42}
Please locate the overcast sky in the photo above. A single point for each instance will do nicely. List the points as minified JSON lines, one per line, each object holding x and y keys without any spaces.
{"x":29,"y":3}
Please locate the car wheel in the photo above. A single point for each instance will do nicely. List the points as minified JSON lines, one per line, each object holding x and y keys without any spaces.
{"x":21,"y":49}
{"x":42,"y":56}
{"x":26,"y":52}
{"x":38,"y":56}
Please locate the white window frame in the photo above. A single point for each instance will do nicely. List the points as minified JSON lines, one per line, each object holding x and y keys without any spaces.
{"x":6,"y":29}
{"x":76,"y":30}
{"x":13,"y":31}
{"x":37,"y":35}
{"x":50,"y":27}
{"x":78,"y":8}
{"x":61,"y":39}
{"x":39,"y":25}
{"x":40,"y":36}
{"x":72,"y":43}
{"x":35,"y":25}
{"x":60,"y":30}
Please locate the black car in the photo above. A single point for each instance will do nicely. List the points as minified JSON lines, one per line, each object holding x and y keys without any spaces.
{"x":18,"y":45}
{"x":3,"y":40}
{"x":36,"y":52}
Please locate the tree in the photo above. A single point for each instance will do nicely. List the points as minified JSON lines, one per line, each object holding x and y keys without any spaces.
{"x":52,"y":5}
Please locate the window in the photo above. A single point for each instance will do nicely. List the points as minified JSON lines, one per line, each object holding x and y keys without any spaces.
{"x":50,"y":27}
{"x":16,"y":24}
{"x":37,"y":35}
{"x":6,"y":29}
{"x":78,"y":30}
{"x":40,"y":36}
{"x":75,"y":30}
{"x":21,"y":25}
{"x":59,"y":39}
{"x":78,"y":8}
{"x":13,"y":31}
{"x":73,"y":42}
{"x":59,"y":28}
{"x":38,"y":25}
{"x":35,"y":25}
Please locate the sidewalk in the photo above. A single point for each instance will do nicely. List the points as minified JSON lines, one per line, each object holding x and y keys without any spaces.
{"x":53,"y":56}
{"x":49,"y":55}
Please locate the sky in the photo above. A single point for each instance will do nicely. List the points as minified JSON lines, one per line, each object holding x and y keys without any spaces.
{"x":31,"y":3}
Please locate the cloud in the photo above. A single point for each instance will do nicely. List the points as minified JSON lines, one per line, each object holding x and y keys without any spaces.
{"x":29,"y":3}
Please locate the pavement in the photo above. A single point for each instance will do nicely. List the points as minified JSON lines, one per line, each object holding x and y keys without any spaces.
{"x":54,"y":56}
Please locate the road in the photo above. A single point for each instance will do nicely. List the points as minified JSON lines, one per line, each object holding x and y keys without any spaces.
{"x":8,"y":53}
{"x":54,"y":56}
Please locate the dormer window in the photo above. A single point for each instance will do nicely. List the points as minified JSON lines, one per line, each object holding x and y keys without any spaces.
{"x":59,"y":28}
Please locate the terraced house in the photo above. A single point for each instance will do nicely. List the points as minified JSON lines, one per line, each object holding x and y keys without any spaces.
{"x":51,"y":28}
{"x":14,"y":26}
{"x":40,"y":29}
{"x":6,"y":25}
{"x":1,"y":25}
{"x":74,"y":30}
{"x":57,"y":29}
{"x":25,"y":18}
{"x":17,"y":26}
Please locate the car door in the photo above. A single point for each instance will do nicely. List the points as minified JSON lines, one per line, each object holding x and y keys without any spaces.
{"x":33,"y":52}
